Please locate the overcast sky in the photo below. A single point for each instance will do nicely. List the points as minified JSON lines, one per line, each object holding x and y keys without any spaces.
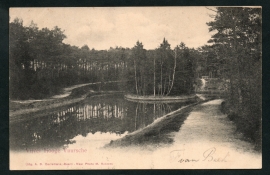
{"x":102,"y":28}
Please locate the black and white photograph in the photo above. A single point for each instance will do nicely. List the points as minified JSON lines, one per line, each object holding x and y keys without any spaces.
{"x":135,"y":87}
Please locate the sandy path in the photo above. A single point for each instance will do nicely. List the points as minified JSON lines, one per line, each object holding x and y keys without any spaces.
{"x":209,"y":137}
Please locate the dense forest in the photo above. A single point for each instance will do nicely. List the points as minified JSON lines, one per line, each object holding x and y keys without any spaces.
{"x":41,"y":64}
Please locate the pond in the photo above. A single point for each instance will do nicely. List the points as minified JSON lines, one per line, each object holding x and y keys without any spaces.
{"x":93,"y":123}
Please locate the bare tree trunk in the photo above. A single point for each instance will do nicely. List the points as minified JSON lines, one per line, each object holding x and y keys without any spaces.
{"x":136,"y":76}
{"x":173,"y":73}
{"x":154,"y":77}
{"x":161,"y":77}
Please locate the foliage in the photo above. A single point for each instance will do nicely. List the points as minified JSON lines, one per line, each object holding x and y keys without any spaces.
{"x":41,"y":64}
{"x":237,"y":46}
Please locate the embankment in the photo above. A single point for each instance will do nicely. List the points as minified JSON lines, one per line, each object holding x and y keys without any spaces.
{"x":160,"y":99}
{"x":33,"y":109}
{"x":157,"y":133}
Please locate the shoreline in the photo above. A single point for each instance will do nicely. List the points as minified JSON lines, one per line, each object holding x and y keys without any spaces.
{"x":161,"y":99}
{"x":19,"y":111}
{"x":27,"y":114}
{"x":158,"y":132}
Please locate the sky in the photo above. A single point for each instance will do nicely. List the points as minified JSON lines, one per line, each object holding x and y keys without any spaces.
{"x":104,"y":27}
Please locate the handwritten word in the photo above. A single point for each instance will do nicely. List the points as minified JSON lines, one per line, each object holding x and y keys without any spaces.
{"x":209,"y":155}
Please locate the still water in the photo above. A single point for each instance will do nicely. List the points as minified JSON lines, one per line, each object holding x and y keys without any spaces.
{"x":99,"y":119}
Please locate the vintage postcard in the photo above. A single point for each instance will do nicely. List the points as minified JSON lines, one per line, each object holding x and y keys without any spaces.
{"x":135,"y":88}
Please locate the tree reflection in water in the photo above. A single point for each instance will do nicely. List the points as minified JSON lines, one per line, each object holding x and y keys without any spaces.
{"x":103,"y":114}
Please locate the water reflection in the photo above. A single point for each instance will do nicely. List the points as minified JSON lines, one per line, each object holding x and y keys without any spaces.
{"x":104,"y":114}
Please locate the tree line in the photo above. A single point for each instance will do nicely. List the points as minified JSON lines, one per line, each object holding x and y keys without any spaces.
{"x":163,"y":71}
{"x":41,"y":64}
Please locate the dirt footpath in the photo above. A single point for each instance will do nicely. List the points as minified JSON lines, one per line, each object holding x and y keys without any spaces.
{"x":210,"y":137}
{"x":207,"y":139}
